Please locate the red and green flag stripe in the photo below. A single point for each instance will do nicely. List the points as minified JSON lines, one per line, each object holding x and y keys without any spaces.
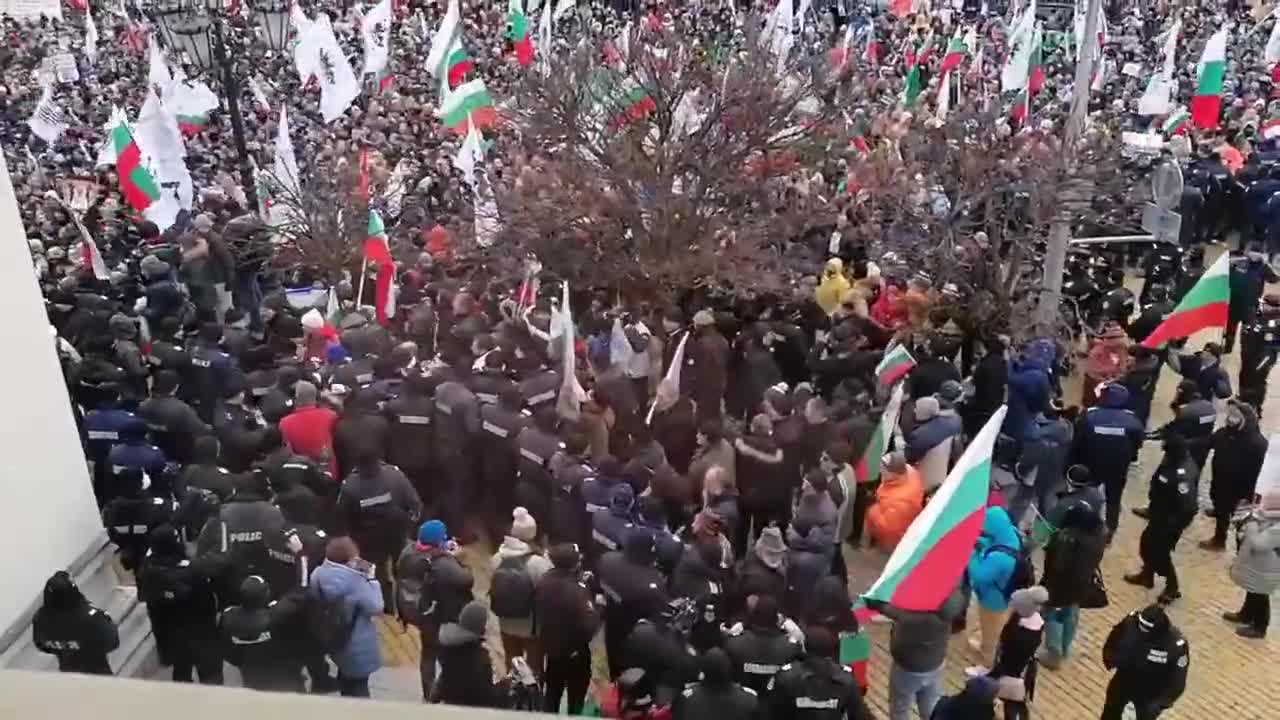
{"x":457,"y":65}
{"x":894,"y":366}
{"x":867,"y":470}
{"x":927,"y":564}
{"x":470,"y":101}
{"x":957,"y":51}
{"x":518,"y":32}
{"x":1206,"y":105}
{"x":1204,"y":306}
{"x":138,"y":186}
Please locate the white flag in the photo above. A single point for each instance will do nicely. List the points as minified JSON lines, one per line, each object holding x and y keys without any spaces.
{"x":375,"y":32}
{"x":944,"y":96}
{"x":1017,"y":68}
{"x":285,"y":167}
{"x":1155,"y":100}
{"x":669,"y":386}
{"x":107,"y":150}
{"x":303,"y":58}
{"x":90,"y":37}
{"x":569,"y":404}
{"x":563,"y":7}
{"x":322,"y":56}
{"x":259,"y":97}
{"x":158,"y":75}
{"x":48,"y":121}
{"x":778,"y":33}
{"x":1272,"y":52}
{"x":89,"y":249}
{"x":470,"y":154}
{"x":442,"y":43}
{"x":544,"y":38}
{"x":488,"y":222}
{"x":160,"y":141}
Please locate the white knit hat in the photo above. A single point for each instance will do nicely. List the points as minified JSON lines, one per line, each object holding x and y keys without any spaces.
{"x":523,"y":526}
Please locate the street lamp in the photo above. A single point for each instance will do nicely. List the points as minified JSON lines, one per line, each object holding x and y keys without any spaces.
{"x":196,"y":28}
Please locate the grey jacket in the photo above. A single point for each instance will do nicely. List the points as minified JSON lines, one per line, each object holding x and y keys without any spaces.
{"x":1256,"y":568}
{"x":918,"y":642}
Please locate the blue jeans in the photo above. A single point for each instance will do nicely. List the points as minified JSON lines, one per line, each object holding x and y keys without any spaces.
{"x":1060,"y":629}
{"x":905,"y":687}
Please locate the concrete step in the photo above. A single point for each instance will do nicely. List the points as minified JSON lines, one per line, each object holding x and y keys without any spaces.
{"x":100,"y":582}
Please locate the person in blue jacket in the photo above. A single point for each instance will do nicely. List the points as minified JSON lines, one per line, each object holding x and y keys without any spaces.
{"x":347,"y":576}
{"x":1107,"y":440}
{"x":1030,"y":390}
{"x":991,"y":568}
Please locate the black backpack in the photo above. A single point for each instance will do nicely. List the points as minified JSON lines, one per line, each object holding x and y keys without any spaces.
{"x":414,"y":592}
{"x":329,"y":622}
{"x":1024,"y":571}
{"x":511,"y":590}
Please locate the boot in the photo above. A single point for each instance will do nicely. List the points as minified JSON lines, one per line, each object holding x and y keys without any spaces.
{"x":1234,"y":617}
{"x":1169,"y":596}
{"x":1142,"y":512}
{"x":1049,"y":660}
{"x":1213,"y":545}
{"x":1251,"y":632}
{"x":1142,"y":579}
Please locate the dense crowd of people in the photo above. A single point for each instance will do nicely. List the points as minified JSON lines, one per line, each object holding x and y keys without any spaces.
{"x":278,"y":472}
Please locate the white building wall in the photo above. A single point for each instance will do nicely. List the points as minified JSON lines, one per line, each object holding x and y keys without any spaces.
{"x":48,"y":516}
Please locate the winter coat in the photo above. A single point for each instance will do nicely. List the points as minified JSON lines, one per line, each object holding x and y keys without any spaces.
{"x":990,"y":570}
{"x":361,"y":596}
{"x":708,"y":353}
{"x":918,"y":640}
{"x":535,"y":565}
{"x":1072,"y":556}
{"x":817,"y":510}
{"x":930,"y":449}
{"x":1256,"y":568}
{"x":1108,"y":358}
{"x":466,"y":671}
{"x":1237,"y":459}
{"x":719,"y":453}
{"x":808,"y":561}
{"x":1029,"y":393}
{"x":759,"y":473}
{"x":899,"y":499}
{"x":567,"y":617}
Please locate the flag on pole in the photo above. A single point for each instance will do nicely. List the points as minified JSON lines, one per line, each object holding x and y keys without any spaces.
{"x":375,"y":35}
{"x":190,"y":102}
{"x":1271,"y":128}
{"x":894,"y":366}
{"x":927,"y":564}
{"x":322,"y":57}
{"x":1021,"y":107}
{"x":957,"y":51}
{"x":447,"y":60}
{"x":469,"y":104}
{"x":1155,"y":99}
{"x":90,"y":257}
{"x":911,"y":90}
{"x":90,"y":38}
{"x":867,"y":470}
{"x":137,"y":184}
{"x":377,"y":251}
{"x":259,"y":97}
{"x":160,"y":141}
{"x":621,"y":354}
{"x":944,"y":97}
{"x":1017,"y":68}
{"x":470,"y":154}
{"x":48,"y":122}
{"x":669,"y":386}
{"x":285,"y":169}
{"x":1206,"y":105}
{"x":1271,"y":55}
{"x":569,"y":403}
{"x":518,"y":32}
{"x":1179,"y":123}
{"x":1035,"y":75}
{"x":1204,"y":306}
{"x":158,"y":75}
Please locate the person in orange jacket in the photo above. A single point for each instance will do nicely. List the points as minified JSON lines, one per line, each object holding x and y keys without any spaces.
{"x":899,"y":499}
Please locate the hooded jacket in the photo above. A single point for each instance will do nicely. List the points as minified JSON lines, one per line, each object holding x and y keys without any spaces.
{"x":466,"y":670}
{"x":918,"y":640}
{"x":362,"y":597}
{"x":1029,"y":393}
{"x":1256,"y":568}
{"x":69,"y":628}
{"x":899,"y":499}
{"x":808,"y":561}
{"x":929,"y":446}
{"x":565,"y":612}
{"x":759,"y":473}
{"x":989,"y":568}
{"x":833,"y":286}
{"x":535,"y":566}
{"x":1237,"y":458}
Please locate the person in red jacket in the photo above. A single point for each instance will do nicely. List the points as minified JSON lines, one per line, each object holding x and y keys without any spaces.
{"x":308,"y":430}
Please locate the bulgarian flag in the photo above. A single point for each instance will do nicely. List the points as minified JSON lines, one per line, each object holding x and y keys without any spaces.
{"x":1204,"y":306}
{"x":386,"y":79}
{"x":192,"y":124}
{"x":458,"y":64}
{"x":518,"y":32}
{"x":1206,"y":106}
{"x":631,"y":103}
{"x":1271,"y":128}
{"x":1021,"y":107}
{"x":448,"y":59}
{"x":377,"y":251}
{"x":1035,"y":79}
{"x":868,"y":468}
{"x":957,"y":51}
{"x":927,"y":564}
{"x":1179,"y":123}
{"x":471,"y":100}
{"x":137,"y":184}
{"x":913,"y":86}
{"x":895,"y":365}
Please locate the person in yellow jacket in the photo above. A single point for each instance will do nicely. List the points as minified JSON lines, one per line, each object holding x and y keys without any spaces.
{"x":899,"y":499}
{"x":833,"y":286}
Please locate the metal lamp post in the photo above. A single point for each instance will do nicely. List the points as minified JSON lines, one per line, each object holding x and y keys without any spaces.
{"x":196,"y":28}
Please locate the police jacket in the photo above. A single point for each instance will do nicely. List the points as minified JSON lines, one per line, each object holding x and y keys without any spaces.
{"x":1173,"y":495}
{"x":663,"y":655}
{"x":536,"y":447}
{"x":1194,"y":422}
{"x":540,"y":388}
{"x":181,"y":605}
{"x":80,"y":637}
{"x":137,"y":460}
{"x":211,"y":370}
{"x":409,"y":433}
{"x":104,"y":429}
{"x":488,"y":385}
{"x":1108,"y":436}
{"x":457,"y":418}
{"x":608,"y":528}
{"x":1149,"y":319}
{"x":130,"y":519}
{"x":631,"y":585}
{"x":241,"y":537}
{"x":499,"y":428}
{"x":240,"y":432}
{"x":816,"y":688}
{"x":286,"y":470}
{"x":758,"y":654}
{"x":1153,"y":664}
{"x":379,"y":507}
{"x":729,"y":701}
{"x":257,"y":642}
{"x":173,"y":424}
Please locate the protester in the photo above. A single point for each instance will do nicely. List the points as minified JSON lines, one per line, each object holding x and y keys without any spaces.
{"x":918,"y":646}
{"x":517,"y":568}
{"x":991,"y":572}
{"x":898,"y":500}
{"x":466,"y":670}
{"x":347,"y":580}
{"x":1015,"y":667}
{"x":1256,"y":568}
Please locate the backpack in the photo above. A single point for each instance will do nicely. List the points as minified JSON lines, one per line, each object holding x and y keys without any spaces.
{"x":329,"y":622}
{"x":412,"y":572}
{"x":511,"y":590}
{"x":1024,"y":572}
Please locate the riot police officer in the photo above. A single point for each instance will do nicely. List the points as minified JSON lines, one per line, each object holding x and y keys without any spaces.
{"x":254,"y":639}
{"x":1107,"y":440}
{"x":1259,"y":342}
{"x":409,"y":432}
{"x":174,"y":424}
{"x":632,"y":588}
{"x":457,"y":427}
{"x":69,"y":628}
{"x":104,"y":427}
{"x":1152,"y":313}
{"x":491,"y":380}
{"x":1150,"y":658}
{"x":130,"y":517}
{"x":242,"y":535}
{"x":816,"y":687}
{"x":134,"y":457}
{"x":500,"y":425}
{"x":379,"y":507}
{"x":536,"y":445}
{"x":761,"y":648}
{"x":1173,"y":501}
{"x":610,"y":525}
{"x":211,"y":369}
{"x":182,"y":608}
{"x":717,"y":694}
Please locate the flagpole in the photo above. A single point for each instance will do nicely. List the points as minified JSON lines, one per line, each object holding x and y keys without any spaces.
{"x":364,"y":269}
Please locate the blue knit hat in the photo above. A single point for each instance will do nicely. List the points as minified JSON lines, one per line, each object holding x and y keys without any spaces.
{"x":433,"y":532}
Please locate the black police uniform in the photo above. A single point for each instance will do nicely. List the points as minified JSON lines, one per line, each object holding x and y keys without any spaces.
{"x":758,"y":654}
{"x":184,"y":616}
{"x":1150,"y":669}
{"x":816,"y":689}
{"x":80,"y":637}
